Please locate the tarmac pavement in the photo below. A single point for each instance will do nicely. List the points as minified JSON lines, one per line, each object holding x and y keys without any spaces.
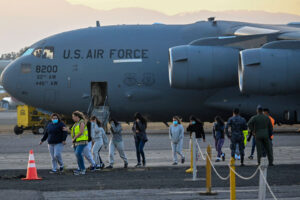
{"x":159,"y":180}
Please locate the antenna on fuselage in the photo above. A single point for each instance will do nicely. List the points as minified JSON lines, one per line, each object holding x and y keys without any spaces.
{"x":97,"y":24}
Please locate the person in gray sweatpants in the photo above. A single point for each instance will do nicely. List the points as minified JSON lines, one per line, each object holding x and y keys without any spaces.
{"x":99,"y":138}
{"x":56,"y":137}
{"x":116,"y":142}
{"x":176,"y":134}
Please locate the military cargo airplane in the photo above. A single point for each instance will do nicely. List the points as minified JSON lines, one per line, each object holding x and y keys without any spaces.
{"x":206,"y":68}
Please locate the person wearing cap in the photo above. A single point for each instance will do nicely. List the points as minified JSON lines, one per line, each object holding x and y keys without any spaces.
{"x":260,"y":125}
{"x":237,"y":124}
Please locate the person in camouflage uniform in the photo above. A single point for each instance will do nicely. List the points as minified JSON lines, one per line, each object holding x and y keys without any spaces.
{"x":237,"y":124}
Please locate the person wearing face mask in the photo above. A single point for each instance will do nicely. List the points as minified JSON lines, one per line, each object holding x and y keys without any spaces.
{"x":196,"y":125}
{"x":56,"y":137}
{"x":176,"y":134}
{"x":99,"y":138}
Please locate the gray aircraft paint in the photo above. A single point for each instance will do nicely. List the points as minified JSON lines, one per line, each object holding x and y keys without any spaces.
{"x":138,"y":82}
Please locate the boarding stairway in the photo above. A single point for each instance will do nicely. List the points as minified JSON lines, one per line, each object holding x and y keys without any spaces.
{"x":101,"y":112}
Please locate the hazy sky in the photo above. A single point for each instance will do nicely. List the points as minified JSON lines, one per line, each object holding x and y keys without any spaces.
{"x":24,"y":22}
{"x":172,"y":7}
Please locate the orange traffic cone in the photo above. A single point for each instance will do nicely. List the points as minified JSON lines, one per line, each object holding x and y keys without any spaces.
{"x":31,"y":168}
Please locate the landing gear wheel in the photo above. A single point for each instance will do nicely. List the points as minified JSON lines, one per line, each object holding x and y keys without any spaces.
{"x":18,"y":130}
{"x":38,"y":130}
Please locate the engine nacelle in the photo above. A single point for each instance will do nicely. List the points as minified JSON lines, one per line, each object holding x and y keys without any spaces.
{"x":203,"y":67}
{"x":273,"y":69}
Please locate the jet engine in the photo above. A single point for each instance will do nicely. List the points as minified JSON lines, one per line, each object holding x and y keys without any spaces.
{"x":273,"y":69}
{"x":203,"y":67}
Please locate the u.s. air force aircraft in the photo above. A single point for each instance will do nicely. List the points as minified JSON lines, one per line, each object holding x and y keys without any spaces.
{"x":206,"y":68}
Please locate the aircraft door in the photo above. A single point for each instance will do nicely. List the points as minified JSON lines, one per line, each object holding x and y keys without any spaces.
{"x":99,"y":93}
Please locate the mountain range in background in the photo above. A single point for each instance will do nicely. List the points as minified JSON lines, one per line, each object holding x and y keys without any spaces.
{"x":24,"y":22}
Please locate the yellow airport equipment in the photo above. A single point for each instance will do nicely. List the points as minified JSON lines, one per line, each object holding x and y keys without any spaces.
{"x":29,"y":118}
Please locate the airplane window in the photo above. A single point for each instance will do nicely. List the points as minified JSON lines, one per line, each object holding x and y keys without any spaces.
{"x":48,"y":52}
{"x":38,"y":52}
{"x":28,"y":52}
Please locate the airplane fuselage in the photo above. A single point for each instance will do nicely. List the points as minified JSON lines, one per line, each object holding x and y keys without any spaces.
{"x":133,"y":62}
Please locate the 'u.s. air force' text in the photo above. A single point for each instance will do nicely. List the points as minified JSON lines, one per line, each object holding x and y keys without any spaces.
{"x":110,"y":53}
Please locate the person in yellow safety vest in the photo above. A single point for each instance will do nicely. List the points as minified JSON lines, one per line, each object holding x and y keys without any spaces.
{"x":79,"y":133}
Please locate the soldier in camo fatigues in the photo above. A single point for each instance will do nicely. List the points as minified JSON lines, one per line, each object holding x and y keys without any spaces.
{"x":237,"y":124}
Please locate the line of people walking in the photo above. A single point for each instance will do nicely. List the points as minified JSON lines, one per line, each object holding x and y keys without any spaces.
{"x":89,"y":138}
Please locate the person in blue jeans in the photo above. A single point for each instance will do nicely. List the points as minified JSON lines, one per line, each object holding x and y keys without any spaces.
{"x":79,"y":133}
{"x":56,"y":138}
{"x":140,"y":137}
{"x":219,"y":136}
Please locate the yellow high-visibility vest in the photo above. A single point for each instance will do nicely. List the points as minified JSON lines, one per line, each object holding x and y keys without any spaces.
{"x":245,"y":132}
{"x":75,"y":130}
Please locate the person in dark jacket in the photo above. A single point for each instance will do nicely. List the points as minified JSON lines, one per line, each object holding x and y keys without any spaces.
{"x":260,"y":125}
{"x":219,"y":136}
{"x":196,"y":125}
{"x":237,"y":124}
{"x":139,"y":129}
{"x":56,"y":140}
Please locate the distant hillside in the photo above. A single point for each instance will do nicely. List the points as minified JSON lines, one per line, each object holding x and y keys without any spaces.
{"x":32,"y":20}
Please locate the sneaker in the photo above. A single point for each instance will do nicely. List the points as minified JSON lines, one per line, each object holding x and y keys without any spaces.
{"x":144,"y":163}
{"x":223,"y":157}
{"x":125,"y":165}
{"x":61,"y":168}
{"x":138,"y":165}
{"x":53,"y":171}
{"x":102,"y":165}
{"x":80,"y":172}
{"x":242,"y":165}
{"x":92,"y":168}
{"x":250,"y":157}
{"x":98,"y":167}
{"x":182,"y":160}
{"x":218,"y":159}
{"x":109,"y":167}
{"x":174,"y":163}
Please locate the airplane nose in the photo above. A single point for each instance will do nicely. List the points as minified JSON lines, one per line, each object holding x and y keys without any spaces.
{"x":7,"y":78}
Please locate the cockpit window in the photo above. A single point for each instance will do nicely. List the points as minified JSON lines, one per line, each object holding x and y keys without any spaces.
{"x":45,"y":53}
{"x":38,"y":52}
{"x":48,"y":52}
{"x":28,"y":52}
